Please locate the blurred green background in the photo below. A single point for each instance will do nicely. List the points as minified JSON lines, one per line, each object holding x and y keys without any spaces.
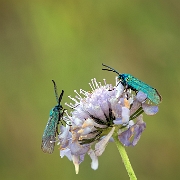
{"x":67,"y":41}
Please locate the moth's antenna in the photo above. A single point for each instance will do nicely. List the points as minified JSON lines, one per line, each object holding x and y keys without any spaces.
{"x":55,"y":91}
{"x":110,"y":69}
{"x":60,"y":97}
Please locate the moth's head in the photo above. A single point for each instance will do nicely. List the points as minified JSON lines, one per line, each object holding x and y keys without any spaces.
{"x":124,"y":78}
{"x":57,"y":108}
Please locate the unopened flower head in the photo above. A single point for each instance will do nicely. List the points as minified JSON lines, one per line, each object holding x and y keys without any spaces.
{"x":98,"y":114}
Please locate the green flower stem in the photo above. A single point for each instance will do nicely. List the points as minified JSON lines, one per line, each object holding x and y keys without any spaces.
{"x":124,"y":157}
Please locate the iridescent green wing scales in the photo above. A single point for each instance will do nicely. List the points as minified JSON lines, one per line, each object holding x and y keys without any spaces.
{"x":48,"y":139}
{"x":152,"y":93}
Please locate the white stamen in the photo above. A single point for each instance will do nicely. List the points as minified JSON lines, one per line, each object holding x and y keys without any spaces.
{"x":70,"y":118}
{"x":110,"y":87}
{"x":83,"y":92}
{"x":74,"y":105}
{"x":77,"y":97}
{"x":104,"y":81}
{"x":92,"y":81}
{"x":66,"y":119}
{"x":97,"y":86}
{"x":91,"y":86}
{"x":73,"y":99}
{"x":78,"y":94}
{"x":71,"y":106}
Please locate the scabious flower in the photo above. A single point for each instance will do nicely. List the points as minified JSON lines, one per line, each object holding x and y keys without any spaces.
{"x":97,"y":115}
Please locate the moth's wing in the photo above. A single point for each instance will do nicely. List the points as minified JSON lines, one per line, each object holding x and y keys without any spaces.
{"x":48,"y":143}
{"x":154,"y":96}
{"x":48,"y":139}
{"x":152,"y":93}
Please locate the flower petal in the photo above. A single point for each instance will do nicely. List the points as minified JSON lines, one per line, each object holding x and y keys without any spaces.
{"x":66,"y":152}
{"x":76,"y":163}
{"x":149,"y":110}
{"x":131,"y":136}
{"x":135,"y":106}
{"x":94,"y":163}
{"x":101,"y":145}
{"x":77,"y":149}
{"x":125,"y":114}
{"x":141,"y":96}
{"x":118,"y":121}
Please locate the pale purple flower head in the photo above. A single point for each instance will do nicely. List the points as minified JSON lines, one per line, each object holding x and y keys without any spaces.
{"x":96,"y":115}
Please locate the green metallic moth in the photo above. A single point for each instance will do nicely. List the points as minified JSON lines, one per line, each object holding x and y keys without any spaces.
{"x":56,"y":114}
{"x":130,"y":82}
